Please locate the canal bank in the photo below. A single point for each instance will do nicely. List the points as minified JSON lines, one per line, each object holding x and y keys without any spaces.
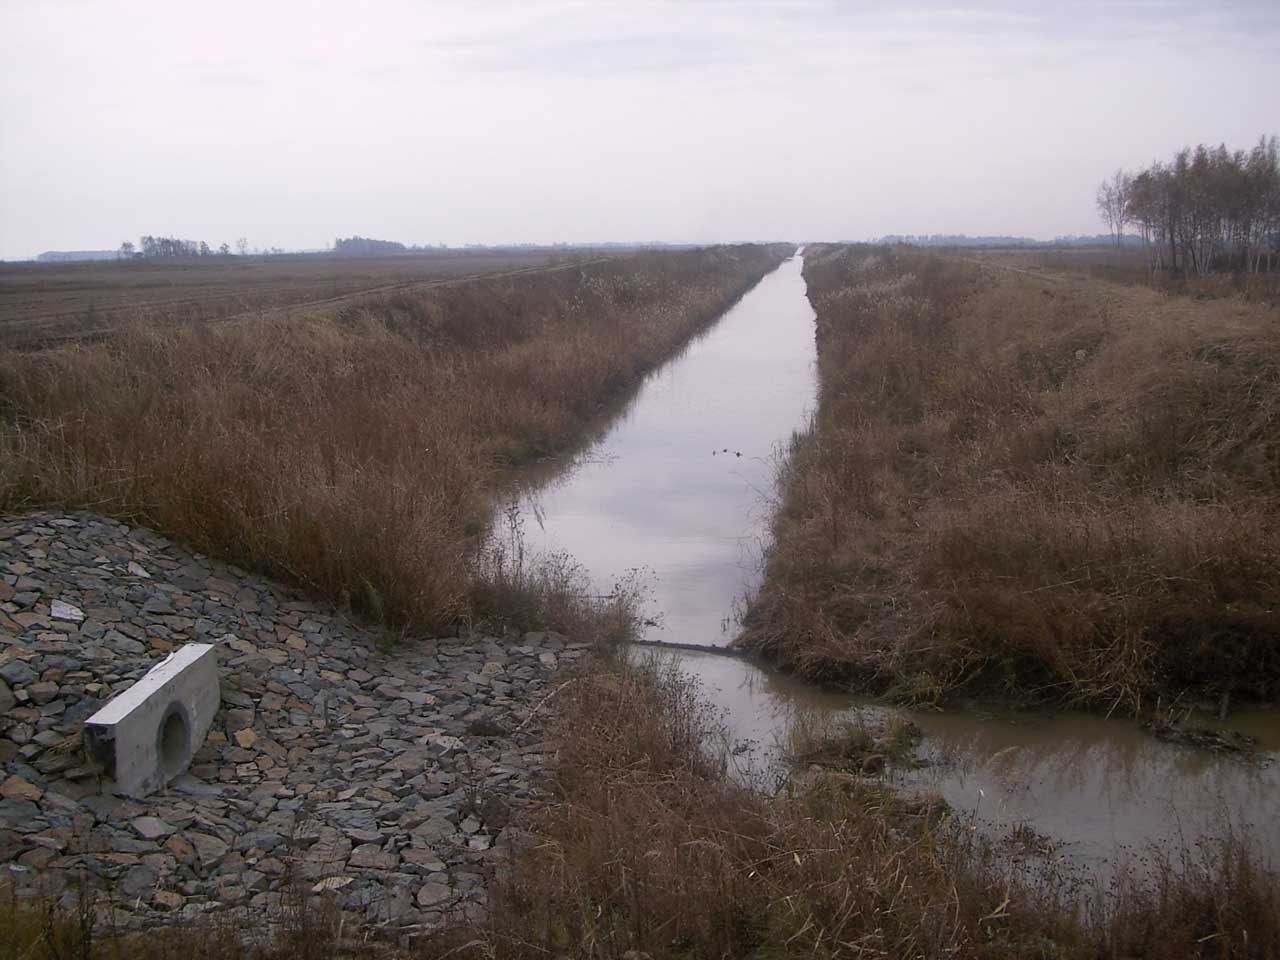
{"x":678,"y":492}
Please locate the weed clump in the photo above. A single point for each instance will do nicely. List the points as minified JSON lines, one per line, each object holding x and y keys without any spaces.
{"x":853,"y":744}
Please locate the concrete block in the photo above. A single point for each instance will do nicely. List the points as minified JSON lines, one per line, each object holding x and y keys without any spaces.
{"x":147,"y":735}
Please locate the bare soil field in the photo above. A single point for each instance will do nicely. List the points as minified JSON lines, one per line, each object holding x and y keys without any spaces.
{"x":40,"y":302}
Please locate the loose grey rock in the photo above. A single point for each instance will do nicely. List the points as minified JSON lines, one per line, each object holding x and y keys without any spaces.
{"x":60,"y":610}
{"x":42,"y":692}
{"x":152,"y":828}
{"x":394,"y":905}
{"x":371,"y":856}
{"x":15,"y":811}
{"x":210,"y":849}
{"x":353,"y":770}
{"x":138,"y":881}
{"x":443,"y":746}
{"x":433,"y":894}
{"x":17,"y":673}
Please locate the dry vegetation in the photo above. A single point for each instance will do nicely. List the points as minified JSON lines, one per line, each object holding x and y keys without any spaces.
{"x":649,"y":848}
{"x":1129,"y":266}
{"x":859,"y":744}
{"x":1026,"y":489}
{"x":354,"y":452}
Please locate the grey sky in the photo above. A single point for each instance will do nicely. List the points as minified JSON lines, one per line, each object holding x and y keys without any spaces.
{"x":291,"y":123}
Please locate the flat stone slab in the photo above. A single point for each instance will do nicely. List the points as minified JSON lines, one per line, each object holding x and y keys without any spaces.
{"x":65,"y":611}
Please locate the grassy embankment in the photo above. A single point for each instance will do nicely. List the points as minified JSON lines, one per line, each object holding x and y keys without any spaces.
{"x":356,"y":452}
{"x":1029,"y":490}
{"x":1129,"y":266}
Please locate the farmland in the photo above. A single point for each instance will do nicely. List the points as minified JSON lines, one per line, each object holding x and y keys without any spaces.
{"x":43,"y":302}
{"x":1129,"y":267}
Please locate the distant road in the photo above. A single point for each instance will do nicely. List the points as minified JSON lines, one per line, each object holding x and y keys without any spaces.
{"x":1047,"y":277}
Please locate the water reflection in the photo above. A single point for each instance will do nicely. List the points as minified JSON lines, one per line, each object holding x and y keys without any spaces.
{"x":1096,"y":787}
{"x":679,"y":485}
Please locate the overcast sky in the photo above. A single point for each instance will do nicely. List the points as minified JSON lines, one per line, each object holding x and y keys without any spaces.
{"x":577,"y":120}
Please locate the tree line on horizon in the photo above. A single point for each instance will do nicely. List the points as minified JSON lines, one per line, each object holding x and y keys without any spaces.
{"x":1208,"y":209}
{"x":986,"y":240}
{"x":367,"y":246}
{"x":149,"y":246}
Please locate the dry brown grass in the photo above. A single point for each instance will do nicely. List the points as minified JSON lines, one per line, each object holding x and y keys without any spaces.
{"x":649,"y":848}
{"x":1210,"y":900}
{"x":355,"y":454}
{"x":858,"y":744}
{"x":1129,"y":266}
{"x":88,"y":924}
{"x":1029,"y":489}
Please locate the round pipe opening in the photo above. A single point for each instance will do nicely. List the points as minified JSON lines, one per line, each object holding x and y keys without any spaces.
{"x":174,"y":745}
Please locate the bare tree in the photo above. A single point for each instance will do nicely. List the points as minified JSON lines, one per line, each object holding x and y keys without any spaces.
{"x":242,"y":246}
{"x":1210,"y":209}
{"x":126,"y":250}
{"x":1112,"y":200}
{"x":1106,"y":204}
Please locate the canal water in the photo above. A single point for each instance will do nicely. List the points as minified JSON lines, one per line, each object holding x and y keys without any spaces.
{"x":680,"y":488}
{"x":1102,"y":793}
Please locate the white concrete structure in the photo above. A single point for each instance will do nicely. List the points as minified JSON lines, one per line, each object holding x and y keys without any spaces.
{"x":147,"y":735}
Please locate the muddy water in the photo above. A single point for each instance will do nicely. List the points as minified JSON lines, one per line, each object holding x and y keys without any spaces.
{"x":678,"y":486}
{"x":1102,"y":791}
